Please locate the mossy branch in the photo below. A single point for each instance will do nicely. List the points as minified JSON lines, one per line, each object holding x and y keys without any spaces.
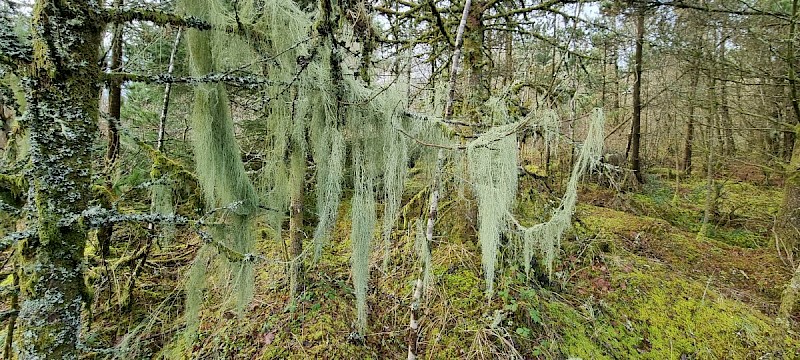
{"x":156,"y":17}
{"x":248,"y":82}
{"x":163,"y":18}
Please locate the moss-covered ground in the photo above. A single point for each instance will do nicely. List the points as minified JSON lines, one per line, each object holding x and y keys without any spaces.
{"x":633,"y":281}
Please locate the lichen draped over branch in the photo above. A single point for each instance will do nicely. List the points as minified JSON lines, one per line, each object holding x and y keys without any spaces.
{"x":547,"y":236}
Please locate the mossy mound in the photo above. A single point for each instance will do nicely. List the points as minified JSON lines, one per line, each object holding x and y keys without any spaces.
{"x":653,"y":315}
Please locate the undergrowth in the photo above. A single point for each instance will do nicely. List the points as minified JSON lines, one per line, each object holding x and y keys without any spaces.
{"x":632,"y":281}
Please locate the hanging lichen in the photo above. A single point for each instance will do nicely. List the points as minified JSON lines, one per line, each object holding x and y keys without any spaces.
{"x":195,"y":288}
{"x":395,"y":153}
{"x":547,"y":236}
{"x":492,"y":161}
{"x":423,"y":252}
{"x":363,"y":225}
{"x":315,"y":108}
{"x":328,"y":148}
{"x":219,"y":167}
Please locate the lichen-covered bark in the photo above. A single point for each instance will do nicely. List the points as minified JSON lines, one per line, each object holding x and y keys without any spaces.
{"x":62,"y":97}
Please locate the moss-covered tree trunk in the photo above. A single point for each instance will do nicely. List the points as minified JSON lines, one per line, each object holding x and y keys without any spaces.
{"x":475,"y":63}
{"x":62,"y":118}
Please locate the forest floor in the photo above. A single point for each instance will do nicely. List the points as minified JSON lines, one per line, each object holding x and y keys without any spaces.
{"x":633,"y":281}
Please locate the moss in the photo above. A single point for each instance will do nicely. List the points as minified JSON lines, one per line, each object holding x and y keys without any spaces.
{"x":678,"y":318}
{"x":461,"y":287}
{"x":575,"y":340}
{"x":654,"y":315}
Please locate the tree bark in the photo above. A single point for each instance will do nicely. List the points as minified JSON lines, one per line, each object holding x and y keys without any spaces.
{"x":297,"y":180}
{"x":475,"y":62}
{"x":63,"y":100}
{"x":788,"y":225}
{"x":162,"y":119}
{"x":114,"y":113}
{"x":449,"y":108}
{"x":789,"y":136}
{"x":114,"y":93}
{"x":727,"y":123}
{"x":689,"y":139}
{"x":636,"y":128}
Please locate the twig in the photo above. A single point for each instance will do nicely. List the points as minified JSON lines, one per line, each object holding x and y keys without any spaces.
{"x":167,"y":90}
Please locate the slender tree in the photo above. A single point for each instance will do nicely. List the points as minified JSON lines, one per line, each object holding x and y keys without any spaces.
{"x":636,"y":124}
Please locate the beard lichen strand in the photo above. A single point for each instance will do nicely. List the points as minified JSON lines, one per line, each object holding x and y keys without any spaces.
{"x":547,"y":236}
{"x":492,"y":164}
{"x":328,"y":147}
{"x":363,"y":219}
{"x":219,"y":167}
{"x":195,"y":287}
{"x":493,"y":171}
{"x":395,"y":153}
{"x":284,"y":27}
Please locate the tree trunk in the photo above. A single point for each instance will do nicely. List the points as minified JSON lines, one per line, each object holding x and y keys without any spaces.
{"x":689,"y":140}
{"x":474,"y":62}
{"x":788,"y":226}
{"x":297,"y":177}
{"x":636,"y":129}
{"x":5,"y":126}
{"x":114,"y":94}
{"x":727,"y":125}
{"x":114,"y":111}
{"x":617,"y":96}
{"x":62,"y":118}
{"x":788,"y":221}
